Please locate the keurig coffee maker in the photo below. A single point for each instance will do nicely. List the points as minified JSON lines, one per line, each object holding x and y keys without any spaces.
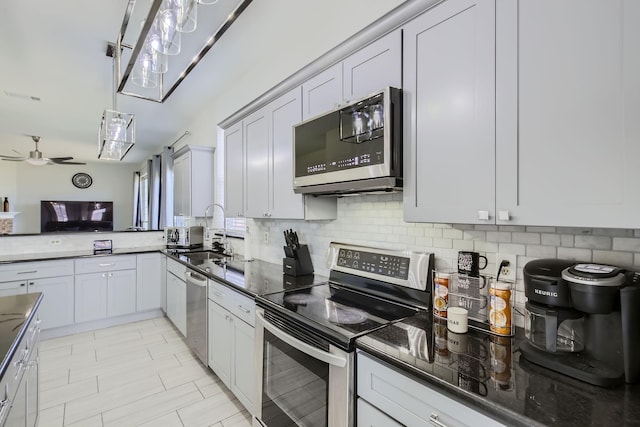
{"x":583,"y":320}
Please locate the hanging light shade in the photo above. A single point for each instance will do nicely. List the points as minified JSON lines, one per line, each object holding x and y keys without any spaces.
{"x":143,"y":74}
{"x":187,"y":15}
{"x":164,"y":35}
{"x":116,"y":135}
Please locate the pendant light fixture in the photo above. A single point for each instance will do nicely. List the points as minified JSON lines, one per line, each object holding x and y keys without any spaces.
{"x":117,"y":130}
{"x":173,"y":37}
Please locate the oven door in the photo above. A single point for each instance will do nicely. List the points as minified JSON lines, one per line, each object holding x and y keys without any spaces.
{"x":302,"y":379}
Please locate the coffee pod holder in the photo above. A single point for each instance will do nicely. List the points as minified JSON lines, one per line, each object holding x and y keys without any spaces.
{"x":489,"y":302}
{"x":297,"y":261}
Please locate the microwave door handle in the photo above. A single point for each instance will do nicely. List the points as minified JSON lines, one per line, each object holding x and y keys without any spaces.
{"x":318,"y":354}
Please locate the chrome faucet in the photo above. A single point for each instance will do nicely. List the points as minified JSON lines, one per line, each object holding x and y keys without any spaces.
{"x":225,"y":242}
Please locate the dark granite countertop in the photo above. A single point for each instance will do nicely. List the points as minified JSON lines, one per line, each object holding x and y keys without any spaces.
{"x":16,"y":312}
{"x":252,"y":278}
{"x":47,"y":256}
{"x":485,"y":372}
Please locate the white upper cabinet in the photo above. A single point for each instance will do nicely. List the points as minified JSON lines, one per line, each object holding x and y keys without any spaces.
{"x":234,"y":171}
{"x":568,"y":109}
{"x":322,"y":92}
{"x":284,"y":113}
{"x":258,"y":159}
{"x":362,"y":73}
{"x":449,"y":114}
{"x":373,"y":67}
{"x":193,"y":180}
{"x":267,"y":144}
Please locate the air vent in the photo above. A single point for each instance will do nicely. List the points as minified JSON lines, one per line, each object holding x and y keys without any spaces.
{"x":22,"y":96}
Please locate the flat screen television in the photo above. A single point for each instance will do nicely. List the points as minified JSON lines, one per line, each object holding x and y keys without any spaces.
{"x":56,"y":215}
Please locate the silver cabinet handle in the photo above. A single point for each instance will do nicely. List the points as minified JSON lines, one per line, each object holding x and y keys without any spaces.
{"x":104,"y":274}
{"x":27,"y":272}
{"x":106,"y":265}
{"x":435,"y":420}
{"x":4,"y":405}
{"x":245,"y":310}
{"x":504,"y":216}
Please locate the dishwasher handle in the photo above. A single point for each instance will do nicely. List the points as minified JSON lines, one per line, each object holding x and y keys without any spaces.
{"x":316,"y":353}
{"x":195,"y":279}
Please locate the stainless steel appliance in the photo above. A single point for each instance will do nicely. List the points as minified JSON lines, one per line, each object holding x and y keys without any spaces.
{"x":306,"y":337}
{"x":353,"y":149}
{"x":184,"y":237}
{"x":197,"y":314}
{"x":583,"y":320}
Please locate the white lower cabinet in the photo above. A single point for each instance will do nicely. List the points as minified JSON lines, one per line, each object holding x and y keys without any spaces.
{"x":149,"y":281}
{"x":102,"y":295}
{"x":409,"y":401}
{"x":369,"y":416}
{"x":231,"y":341}
{"x":177,"y":302}
{"x":56,"y":308}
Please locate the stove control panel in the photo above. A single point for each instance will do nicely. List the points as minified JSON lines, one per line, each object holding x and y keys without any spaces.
{"x":385,"y":265}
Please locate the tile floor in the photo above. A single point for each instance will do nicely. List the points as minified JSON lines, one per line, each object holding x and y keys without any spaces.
{"x":138,"y":374}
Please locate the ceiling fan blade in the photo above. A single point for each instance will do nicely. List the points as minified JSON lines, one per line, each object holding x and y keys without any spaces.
{"x":61,"y":162}
{"x":61,"y":159}
{"x":11,"y":157}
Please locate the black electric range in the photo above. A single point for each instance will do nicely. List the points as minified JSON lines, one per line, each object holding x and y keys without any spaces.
{"x":368,"y":289}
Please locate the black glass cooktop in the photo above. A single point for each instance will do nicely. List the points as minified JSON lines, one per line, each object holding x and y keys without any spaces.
{"x":338,"y":313}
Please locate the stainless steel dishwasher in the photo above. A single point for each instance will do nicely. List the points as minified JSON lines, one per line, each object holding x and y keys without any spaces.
{"x":197,"y":314}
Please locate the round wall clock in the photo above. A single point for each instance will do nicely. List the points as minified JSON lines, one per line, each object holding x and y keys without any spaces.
{"x":82,"y":180}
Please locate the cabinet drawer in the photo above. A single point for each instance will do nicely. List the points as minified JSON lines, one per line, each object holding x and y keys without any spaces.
{"x":221,"y":294}
{"x":409,"y":401}
{"x":176,"y":268}
{"x":13,"y":288}
{"x":35,"y":270}
{"x":244,"y":308}
{"x":105,"y":263}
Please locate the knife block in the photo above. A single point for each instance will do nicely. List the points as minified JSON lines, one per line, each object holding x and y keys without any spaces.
{"x":298,"y":265}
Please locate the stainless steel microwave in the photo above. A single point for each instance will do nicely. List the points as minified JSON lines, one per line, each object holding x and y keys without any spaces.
{"x":353,"y":149}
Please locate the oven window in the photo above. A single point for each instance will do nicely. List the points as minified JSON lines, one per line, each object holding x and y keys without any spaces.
{"x":295,"y":386}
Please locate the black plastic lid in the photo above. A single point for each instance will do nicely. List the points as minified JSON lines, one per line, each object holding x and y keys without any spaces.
{"x":546,"y":268}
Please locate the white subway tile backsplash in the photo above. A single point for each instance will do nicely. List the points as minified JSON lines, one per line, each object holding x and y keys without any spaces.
{"x":499,"y":236}
{"x":377,"y":221}
{"x":574,"y":254}
{"x":510,"y":248}
{"x":536,"y":251}
{"x":567,"y":240}
{"x":526,"y":238}
{"x":593,"y":242}
{"x":550,"y":239}
{"x":626,"y":244}
{"x":615,"y":258}
{"x":452,"y":233}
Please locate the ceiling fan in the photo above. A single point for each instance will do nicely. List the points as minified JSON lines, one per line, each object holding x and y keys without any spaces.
{"x":35,"y":157}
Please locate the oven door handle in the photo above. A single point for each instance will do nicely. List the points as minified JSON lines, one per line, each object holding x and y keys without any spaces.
{"x":316,"y":353}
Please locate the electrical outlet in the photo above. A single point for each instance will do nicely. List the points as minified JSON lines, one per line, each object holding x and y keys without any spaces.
{"x":55,"y":242}
{"x":265,"y":238}
{"x":508,"y":273}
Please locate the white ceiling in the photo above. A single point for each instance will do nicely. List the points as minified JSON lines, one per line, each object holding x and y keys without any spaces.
{"x":56,"y":51}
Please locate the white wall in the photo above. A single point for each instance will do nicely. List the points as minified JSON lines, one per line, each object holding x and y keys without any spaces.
{"x":111,"y":182}
{"x":8,"y":182}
